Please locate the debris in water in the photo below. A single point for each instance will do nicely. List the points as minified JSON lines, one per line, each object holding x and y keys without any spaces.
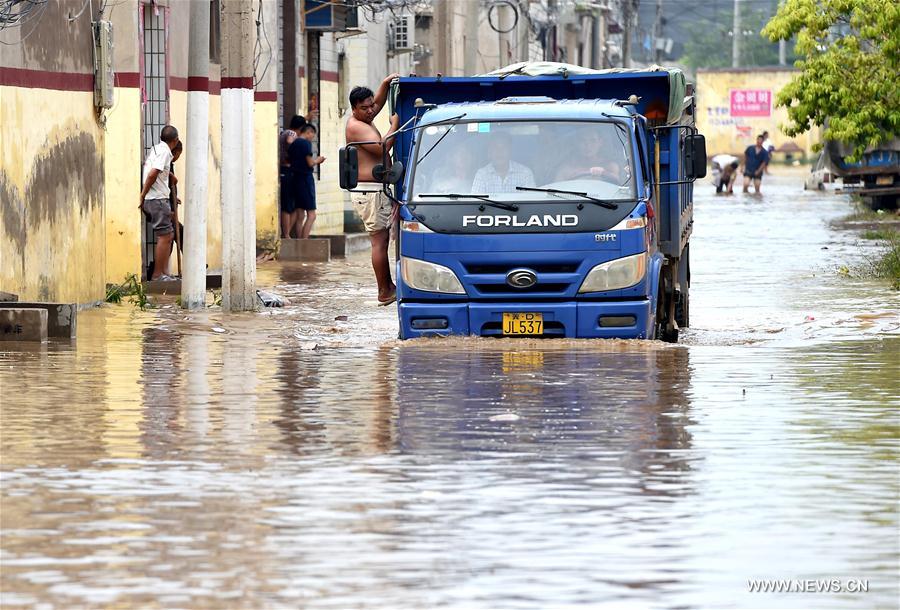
{"x":505,"y":417}
{"x":270,"y":299}
{"x":218,"y":329}
{"x":809,"y":318}
{"x":341,"y":318}
{"x":309,"y":345}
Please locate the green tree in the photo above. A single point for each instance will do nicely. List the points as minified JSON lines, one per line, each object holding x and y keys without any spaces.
{"x":848,"y":80}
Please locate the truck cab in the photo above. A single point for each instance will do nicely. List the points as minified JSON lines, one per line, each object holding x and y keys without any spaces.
{"x":544,"y":205}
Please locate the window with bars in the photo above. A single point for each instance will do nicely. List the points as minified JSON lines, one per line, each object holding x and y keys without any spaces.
{"x":313,"y":54}
{"x":155,"y":90}
{"x":155,"y":102}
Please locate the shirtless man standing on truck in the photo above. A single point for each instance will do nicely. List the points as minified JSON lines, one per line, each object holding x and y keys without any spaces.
{"x":374,"y":207}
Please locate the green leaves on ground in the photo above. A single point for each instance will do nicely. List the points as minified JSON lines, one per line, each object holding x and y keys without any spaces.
{"x":850,"y":61}
{"x":131,"y":288}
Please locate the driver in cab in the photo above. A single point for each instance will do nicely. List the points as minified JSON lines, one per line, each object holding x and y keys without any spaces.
{"x":593,"y":159}
{"x":501,"y":174}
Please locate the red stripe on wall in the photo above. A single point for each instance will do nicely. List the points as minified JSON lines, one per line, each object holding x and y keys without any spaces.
{"x":197,"y":83}
{"x":265,"y":96}
{"x":178,"y":83}
{"x":331,"y":77}
{"x":237,"y":82}
{"x":41,"y":79}
{"x":128,"y":79}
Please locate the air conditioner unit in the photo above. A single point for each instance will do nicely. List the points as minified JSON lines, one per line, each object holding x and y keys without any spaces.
{"x":104,"y":76}
{"x":401,"y":34}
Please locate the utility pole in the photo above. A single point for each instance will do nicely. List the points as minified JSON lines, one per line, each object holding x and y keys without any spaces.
{"x":237,"y":180}
{"x":500,"y":12}
{"x":736,"y":36}
{"x":196,"y":192}
{"x":657,"y":33}
{"x":627,"y":16}
{"x":471,"y":48}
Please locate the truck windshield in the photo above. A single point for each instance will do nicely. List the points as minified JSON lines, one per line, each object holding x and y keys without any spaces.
{"x":494,"y":158}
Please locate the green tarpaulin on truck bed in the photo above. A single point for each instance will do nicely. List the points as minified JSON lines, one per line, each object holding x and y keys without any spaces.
{"x":677,"y":86}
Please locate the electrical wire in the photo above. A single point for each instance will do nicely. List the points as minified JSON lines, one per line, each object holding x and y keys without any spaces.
{"x":257,"y":51}
{"x":36,"y":18}
{"x":497,"y":4}
{"x":83,"y":6}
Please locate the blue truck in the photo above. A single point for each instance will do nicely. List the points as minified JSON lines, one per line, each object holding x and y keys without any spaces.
{"x":875,"y":177}
{"x":543,"y":200}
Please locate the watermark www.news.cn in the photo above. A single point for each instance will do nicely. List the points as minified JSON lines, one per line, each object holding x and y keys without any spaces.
{"x":809,"y":585}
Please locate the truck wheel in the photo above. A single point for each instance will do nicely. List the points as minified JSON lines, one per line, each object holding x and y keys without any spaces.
{"x":683,"y":302}
{"x":682,"y":309}
{"x":660,"y":330}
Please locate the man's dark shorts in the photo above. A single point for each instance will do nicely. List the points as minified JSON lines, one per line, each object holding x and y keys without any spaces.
{"x":754,"y":176}
{"x":160,"y":213}
{"x":305,"y":192}
{"x":286,"y":183}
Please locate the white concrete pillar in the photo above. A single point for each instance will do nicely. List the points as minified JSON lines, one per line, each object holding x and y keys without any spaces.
{"x":196,"y":191}
{"x":237,"y":180}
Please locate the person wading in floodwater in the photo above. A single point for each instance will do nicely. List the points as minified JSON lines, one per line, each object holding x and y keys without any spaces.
{"x":375,"y":208}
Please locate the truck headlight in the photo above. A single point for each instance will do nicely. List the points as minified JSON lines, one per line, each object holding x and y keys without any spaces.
{"x":414,"y":226}
{"x":429,"y":277}
{"x":613,"y":275}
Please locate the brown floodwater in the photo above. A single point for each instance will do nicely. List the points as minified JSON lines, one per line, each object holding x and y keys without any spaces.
{"x":304,"y":458}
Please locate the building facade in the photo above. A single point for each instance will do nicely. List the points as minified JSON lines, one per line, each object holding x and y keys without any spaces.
{"x":734,"y":105}
{"x":71,"y":158}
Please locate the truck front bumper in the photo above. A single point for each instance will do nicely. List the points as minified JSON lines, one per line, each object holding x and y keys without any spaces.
{"x":588,"y":319}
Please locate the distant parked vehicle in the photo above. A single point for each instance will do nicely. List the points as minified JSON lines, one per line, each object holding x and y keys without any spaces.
{"x":819,"y":175}
{"x":875,"y":177}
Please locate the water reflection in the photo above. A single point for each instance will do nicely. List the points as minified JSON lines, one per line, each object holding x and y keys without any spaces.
{"x":626,"y":405}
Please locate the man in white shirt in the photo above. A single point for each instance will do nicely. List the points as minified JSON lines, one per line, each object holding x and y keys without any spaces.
{"x":502,"y":174}
{"x":155,"y":199}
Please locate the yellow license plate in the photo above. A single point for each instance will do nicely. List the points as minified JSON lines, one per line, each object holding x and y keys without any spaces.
{"x":884,"y":180}
{"x":523,"y":323}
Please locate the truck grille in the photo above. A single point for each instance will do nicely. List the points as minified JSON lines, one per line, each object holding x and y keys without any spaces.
{"x":482,"y":269}
{"x":506,"y":289}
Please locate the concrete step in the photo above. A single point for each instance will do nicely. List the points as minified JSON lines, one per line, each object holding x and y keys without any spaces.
{"x":7,"y":297}
{"x":346,"y":244}
{"x":23,"y":324}
{"x":312,"y":250}
{"x":61,"y":317}
{"x":213,"y":281}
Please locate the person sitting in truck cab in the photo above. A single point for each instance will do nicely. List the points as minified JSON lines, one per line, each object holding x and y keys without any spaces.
{"x":594,"y":159}
{"x":454,"y":177}
{"x":501,"y":174}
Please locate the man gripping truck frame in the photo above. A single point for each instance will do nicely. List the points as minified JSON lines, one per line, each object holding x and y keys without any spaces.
{"x":542,"y":200}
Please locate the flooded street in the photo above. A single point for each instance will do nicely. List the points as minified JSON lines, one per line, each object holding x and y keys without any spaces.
{"x":304,"y":458}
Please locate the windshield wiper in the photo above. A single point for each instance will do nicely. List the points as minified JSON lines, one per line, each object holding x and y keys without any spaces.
{"x":601,"y":202}
{"x":497,"y":204}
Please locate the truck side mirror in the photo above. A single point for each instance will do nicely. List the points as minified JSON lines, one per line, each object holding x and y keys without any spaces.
{"x":392,"y":175}
{"x":348,"y":167}
{"x":395,"y":174}
{"x":695,"y":156}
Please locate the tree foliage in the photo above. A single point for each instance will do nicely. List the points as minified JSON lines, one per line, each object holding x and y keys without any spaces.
{"x":849,"y":65}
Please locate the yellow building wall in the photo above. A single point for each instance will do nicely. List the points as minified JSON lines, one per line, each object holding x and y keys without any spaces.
{"x":265,"y":117}
{"x":732,"y":134}
{"x":52,"y":241}
{"x":265,"y":170}
{"x":329,"y":196}
{"x":123,"y":165}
